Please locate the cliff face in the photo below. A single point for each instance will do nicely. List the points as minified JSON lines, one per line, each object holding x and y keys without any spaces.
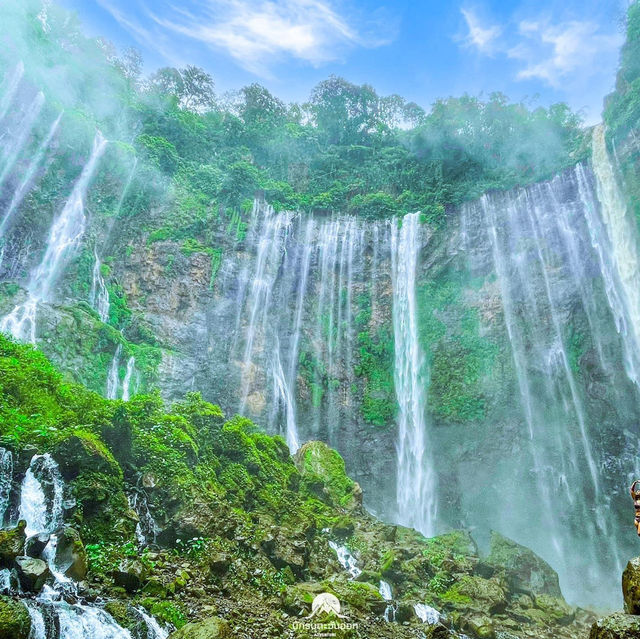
{"x":519,"y":351}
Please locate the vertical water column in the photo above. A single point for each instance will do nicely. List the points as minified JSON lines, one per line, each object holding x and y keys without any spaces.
{"x":416,"y":480}
{"x":64,"y":237}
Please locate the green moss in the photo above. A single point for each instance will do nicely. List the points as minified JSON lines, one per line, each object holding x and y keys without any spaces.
{"x":15,"y":622}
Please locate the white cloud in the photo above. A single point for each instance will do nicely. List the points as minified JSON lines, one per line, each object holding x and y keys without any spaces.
{"x":258,"y":33}
{"x":482,"y":38}
{"x":555,"y":52}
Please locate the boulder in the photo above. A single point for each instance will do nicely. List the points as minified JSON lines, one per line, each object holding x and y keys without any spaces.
{"x":523,"y":569}
{"x":71,"y":556}
{"x":34,"y":546}
{"x":324,"y":476}
{"x":617,"y":626}
{"x":15,"y":622}
{"x":32,"y":573}
{"x":131,"y":575}
{"x":12,"y":543}
{"x":283,"y":551}
{"x":631,"y":587}
{"x":82,"y":452}
{"x":212,"y":628}
{"x":556,"y":610}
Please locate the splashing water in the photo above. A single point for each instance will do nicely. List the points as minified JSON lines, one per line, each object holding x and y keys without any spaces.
{"x":41,"y":496}
{"x":346,"y":559}
{"x":427,"y":614}
{"x":12,"y":82}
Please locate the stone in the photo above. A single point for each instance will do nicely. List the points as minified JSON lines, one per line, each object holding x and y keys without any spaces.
{"x":324,"y":475}
{"x":71,"y":556}
{"x":556,"y":610}
{"x":219,"y":563}
{"x":32,"y":573}
{"x":12,"y":543}
{"x":34,"y":546}
{"x":617,"y":626}
{"x":212,"y":628}
{"x":82,"y":452}
{"x":631,"y":587}
{"x":523,"y":569}
{"x":130,"y":575}
{"x":15,"y":622}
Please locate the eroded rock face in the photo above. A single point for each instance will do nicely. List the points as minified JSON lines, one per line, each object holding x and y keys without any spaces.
{"x":631,"y":587}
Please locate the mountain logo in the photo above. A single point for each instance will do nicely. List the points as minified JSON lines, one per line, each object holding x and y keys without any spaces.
{"x":326,"y":603}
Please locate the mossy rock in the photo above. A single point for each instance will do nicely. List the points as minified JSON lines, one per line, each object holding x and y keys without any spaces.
{"x":359,"y":595}
{"x":15,"y":622}
{"x":523,"y":569}
{"x":12,"y":543}
{"x":212,"y":628}
{"x":631,"y":587}
{"x":453,"y":547}
{"x":617,"y":626}
{"x":122,"y":613}
{"x":477,"y":593}
{"x":324,"y":476}
{"x":298,"y":598}
{"x":83,"y":451}
{"x":555,"y":609}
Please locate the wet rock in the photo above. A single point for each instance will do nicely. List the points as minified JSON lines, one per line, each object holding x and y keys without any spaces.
{"x":71,"y":556}
{"x":32,"y":573}
{"x":479,"y":626}
{"x":12,"y":543}
{"x":212,"y":628}
{"x":15,"y":622}
{"x":617,"y":626}
{"x":131,"y":575}
{"x":283,"y":552}
{"x":219,"y":563}
{"x":631,"y":587}
{"x":522,"y":568}
{"x":34,"y":546}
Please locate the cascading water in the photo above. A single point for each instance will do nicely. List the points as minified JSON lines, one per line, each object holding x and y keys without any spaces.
{"x":416,"y":485}
{"x":615,"y":239}
{"x":99,"y":294}
{"x":41,"y":496}
{"x":6,"y":475}
{"x":64,"y":236}
{"x":113,"y":378}
{"x":128,"y":378}
{"x":52,"y":616}
{"x":27,"y":180}
{"x":9,"y":88}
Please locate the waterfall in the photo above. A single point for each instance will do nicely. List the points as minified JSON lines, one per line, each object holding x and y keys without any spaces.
{"x":416,"y":485}
{"x":126,"y":383}
{"x":615,"y":239}
{"x":427,"y":614}
{"x":52,"y":616}
{"x":12,"y":83}
{"x":346,"y":559}
{"x":113,"y":378}
{"x":34,"y":165}
{"x":11,"y":150}
{"x":99,"y":295}
{"x":146,"y":528}
{"x":41,"y":496}
{"x":385,"y":592}
{"x":6,"y":476}
{"x":64,"y":236}
{"x":552,"y":260}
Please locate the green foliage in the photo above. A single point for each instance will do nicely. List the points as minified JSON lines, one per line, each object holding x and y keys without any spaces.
{"x":167,"y":612}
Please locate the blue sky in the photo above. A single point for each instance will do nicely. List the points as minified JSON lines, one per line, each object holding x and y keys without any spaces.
{"x":556,"y":50}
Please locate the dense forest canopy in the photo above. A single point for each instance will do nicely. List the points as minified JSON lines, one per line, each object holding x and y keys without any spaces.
{"x":346,"y":149}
